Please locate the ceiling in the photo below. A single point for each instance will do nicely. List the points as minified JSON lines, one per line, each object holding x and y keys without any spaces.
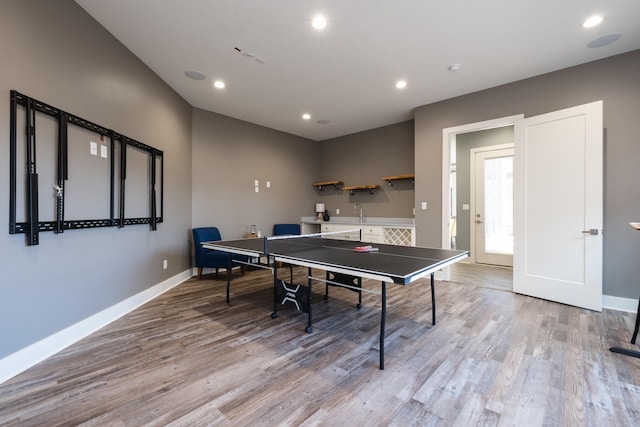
{"x":344,"y":75}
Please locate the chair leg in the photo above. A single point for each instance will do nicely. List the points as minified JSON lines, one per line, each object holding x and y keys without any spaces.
{"x":199,"y":273}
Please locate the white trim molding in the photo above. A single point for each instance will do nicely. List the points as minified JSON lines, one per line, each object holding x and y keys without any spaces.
{"x":35,"y":353}
{"x":629,"y":305}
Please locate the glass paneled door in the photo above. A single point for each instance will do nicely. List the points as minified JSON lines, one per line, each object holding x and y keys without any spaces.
{"x":492,"y":217}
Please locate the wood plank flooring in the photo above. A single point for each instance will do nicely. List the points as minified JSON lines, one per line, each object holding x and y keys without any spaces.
{"x":487,"y":276}
{"x":188,"y":359}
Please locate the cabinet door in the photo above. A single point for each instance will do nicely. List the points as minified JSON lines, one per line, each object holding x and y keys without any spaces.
{"x":351,"y":235}
{"x":372,"y":234}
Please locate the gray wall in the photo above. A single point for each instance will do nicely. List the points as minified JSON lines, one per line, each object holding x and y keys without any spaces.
{"x":364,"y":158}
{"x":614,"y":80}
{"x":464,"y":144}
{"x":229,"y":155}
{"x":56,"y":53}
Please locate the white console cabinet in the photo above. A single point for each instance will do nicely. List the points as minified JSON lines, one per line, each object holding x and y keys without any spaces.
{"x":387,"y":234}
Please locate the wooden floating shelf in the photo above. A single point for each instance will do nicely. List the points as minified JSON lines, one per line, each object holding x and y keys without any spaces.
{"x":390,"y":179}
{"x":352,"y":189}
{"x":320,"y":185}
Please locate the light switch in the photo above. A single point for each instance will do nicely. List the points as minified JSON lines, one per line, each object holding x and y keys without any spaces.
{"x":268,"y":184}
{"x":337,"y":211}
{"x":256,"y":183}
{"x":424,"y":206}
{"x":465,"y":207}
{"x":93,"y":148}
{"x":103,"y":151}
{"x":257,"y":189}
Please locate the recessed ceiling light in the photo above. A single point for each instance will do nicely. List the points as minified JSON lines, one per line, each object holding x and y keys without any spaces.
{"x":454,"y":67}
{"x":306,"y":116}
{"x":401,"y":84}
{"x":195,"y":75}
{"x":219,"y":84}
{"x":319,"y":22}
{"x":592,"y":21}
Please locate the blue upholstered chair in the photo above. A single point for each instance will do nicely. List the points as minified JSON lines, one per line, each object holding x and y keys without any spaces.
{"x":286,"y":229}
{"x":207,"y":257}
{"x":283,"y":229}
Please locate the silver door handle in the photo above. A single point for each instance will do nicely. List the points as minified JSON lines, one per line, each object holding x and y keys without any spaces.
{"x":479,"y":222}
{"x":591,"y":231}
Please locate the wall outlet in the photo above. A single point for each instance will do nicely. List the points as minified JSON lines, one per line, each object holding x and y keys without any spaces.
{"x":164,"y":264}
{"x":93,"y":148}
{"x":424,"y":206}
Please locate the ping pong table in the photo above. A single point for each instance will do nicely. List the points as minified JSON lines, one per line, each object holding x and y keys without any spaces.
{"x":345,"y":267}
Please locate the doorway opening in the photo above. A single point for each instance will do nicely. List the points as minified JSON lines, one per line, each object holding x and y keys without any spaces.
{"x":454,"y":228}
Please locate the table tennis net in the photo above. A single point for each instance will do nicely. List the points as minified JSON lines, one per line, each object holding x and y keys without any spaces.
{"x":327,"y":234}
{"x":299,"y":242}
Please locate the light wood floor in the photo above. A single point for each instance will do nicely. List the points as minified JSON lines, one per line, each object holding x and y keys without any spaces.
{"x":186,"y":358}
{"x":487,"y":276}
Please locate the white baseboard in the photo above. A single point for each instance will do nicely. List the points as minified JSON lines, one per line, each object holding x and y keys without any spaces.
{"x":629,"y":305}
{"x":22,"y":360}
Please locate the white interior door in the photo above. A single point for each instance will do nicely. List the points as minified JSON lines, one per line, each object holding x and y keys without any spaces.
{"x":558,"y":169}
{"x":492,"y":206}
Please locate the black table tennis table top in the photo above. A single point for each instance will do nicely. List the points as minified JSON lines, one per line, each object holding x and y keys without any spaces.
{"x":390,"y":263}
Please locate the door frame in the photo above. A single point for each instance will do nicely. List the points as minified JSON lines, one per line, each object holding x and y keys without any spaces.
{"x":449,"y":137}
{"x":472,"y":201}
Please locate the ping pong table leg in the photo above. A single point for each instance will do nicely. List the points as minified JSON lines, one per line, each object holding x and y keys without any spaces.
{"x":433,"y":300}
{"x":326,"y":285}
{"x":383,"y":318}
{"x":275,"y":290}
{"x":229,"y":275}
{"x":309,"y":329}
